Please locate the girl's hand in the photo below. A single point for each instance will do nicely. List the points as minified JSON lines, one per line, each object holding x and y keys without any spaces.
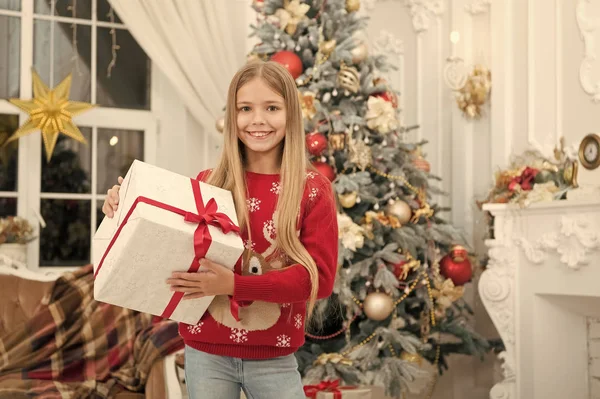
{"x":112,"y":199}
{"x":215,"y":280}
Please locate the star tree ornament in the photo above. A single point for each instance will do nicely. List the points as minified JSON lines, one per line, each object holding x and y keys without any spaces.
{"x":51,"y":112}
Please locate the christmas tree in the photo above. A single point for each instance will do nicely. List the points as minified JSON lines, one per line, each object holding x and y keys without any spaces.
{"x":397,"y":310}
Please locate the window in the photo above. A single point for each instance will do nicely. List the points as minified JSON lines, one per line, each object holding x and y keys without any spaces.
{"x":88,"y":40}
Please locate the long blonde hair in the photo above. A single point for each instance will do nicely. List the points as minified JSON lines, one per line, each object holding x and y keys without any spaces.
{"x":230,"y":170}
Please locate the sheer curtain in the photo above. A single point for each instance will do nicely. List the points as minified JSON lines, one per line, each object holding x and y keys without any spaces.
{"x":191,"y":42}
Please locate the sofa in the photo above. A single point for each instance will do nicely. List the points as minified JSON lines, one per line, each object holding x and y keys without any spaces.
{"x":23,"y":294}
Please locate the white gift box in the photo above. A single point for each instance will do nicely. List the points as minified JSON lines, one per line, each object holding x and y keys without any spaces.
{"x":135,"y":252}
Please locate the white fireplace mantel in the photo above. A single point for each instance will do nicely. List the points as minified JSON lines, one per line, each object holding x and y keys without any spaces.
{"x":541,"y":288}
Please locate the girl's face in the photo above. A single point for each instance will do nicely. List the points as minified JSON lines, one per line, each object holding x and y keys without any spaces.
{"x":261,"y":119}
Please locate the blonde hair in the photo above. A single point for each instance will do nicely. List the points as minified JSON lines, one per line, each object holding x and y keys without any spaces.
{"x":230,"y":170}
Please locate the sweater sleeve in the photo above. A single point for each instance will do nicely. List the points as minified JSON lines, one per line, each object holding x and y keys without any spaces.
{"x":319,"y":235}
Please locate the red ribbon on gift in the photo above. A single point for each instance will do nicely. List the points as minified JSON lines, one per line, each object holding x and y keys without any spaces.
{"x":334,"y":387}
{"x":207,"y":215}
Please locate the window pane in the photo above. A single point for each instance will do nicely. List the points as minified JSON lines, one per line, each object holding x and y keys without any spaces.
{"x":66,"y":239}
{"x":103,"y":12}
{"x":117,"y":149}
{"x":8,"y":207}
{"x":58,"y":38}
{"x":99,"y":214}
{"x":70,"y":168}
{"x":10,"y":56}
{"x":128,"y":85}
{"x":14,"y":5}
{"x":64,"y":8}
{"x":9,"y":153}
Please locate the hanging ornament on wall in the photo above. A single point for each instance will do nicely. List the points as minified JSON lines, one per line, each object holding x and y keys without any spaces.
{"x":325,"y":169}
{"x":316,"y":143}
{"x":290,"y":61}
{"x":51,"y":112}
{"x":378,"y":306}
{"x":220,"y":124}
{"x":401,"y":210}
{"x":456,"y":266}
{"x":348,"y":78}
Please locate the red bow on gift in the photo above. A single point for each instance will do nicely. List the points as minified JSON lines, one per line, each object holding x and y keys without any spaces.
{"x":211,"y":216}
{"x":334,"y":387}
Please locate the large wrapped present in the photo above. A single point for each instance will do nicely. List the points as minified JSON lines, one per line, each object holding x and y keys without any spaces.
{"x":165,"y":222}
{"x":333,"y":390}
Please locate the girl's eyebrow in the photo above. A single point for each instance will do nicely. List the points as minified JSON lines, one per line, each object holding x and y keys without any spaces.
{"x":266,"y":102}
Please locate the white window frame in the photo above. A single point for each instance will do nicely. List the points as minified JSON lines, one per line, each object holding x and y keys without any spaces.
{"x":29,"y":193}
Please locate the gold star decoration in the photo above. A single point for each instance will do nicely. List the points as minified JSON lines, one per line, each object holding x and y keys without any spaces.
{"x":51,"y":112}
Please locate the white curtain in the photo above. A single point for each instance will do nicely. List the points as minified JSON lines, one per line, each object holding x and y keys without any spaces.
{"x":191,"y":42}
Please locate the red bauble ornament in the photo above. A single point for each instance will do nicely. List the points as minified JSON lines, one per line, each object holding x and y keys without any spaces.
{"x":399,"y":270}
{"x":325,"y":169}
{"x":316,"y":143}
{"x":456,"y":266}
{"x":290,"y":61}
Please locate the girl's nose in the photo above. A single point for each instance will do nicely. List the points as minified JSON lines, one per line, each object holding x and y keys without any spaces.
{"x":258,"y":119}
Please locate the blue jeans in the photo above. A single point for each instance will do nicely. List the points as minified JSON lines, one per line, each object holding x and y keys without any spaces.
{"x":220,"y":377}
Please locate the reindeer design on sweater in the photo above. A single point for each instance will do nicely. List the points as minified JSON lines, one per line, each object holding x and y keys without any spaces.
{"x":258,"y":315}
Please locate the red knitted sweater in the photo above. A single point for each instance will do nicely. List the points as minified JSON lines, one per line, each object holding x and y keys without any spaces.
{"x":271,"y":289}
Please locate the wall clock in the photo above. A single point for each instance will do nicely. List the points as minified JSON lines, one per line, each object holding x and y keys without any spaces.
{"x":589,"y":151}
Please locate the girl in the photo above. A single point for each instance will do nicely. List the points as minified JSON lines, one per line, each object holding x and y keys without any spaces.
{"x":288,"y":218}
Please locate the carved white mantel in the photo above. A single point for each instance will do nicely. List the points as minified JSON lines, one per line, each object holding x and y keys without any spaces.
{"x":541,"y":284}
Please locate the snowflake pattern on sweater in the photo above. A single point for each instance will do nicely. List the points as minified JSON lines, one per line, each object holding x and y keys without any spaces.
{"x":270,"y":289}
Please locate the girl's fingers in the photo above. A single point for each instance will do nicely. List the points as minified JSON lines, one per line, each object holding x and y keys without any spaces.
{"x":182,"y":282}
{"x":193,"y":296}
{"x":189,"y":290}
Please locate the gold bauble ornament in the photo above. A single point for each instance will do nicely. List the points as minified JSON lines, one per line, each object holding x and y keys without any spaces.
{"x":401,"y":210}
{"x":327,"y":47}
{"x":352,"y":5}
{"x":220,"y":124}
{"x":348,"y":200}
{"x":414,"y":358}
{"x":359,"y":53}
{"x":348,"y":78}
{"x":51,"y":112}
{"x":378,"y":306}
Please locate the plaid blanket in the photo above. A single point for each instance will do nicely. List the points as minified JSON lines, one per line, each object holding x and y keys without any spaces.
{"x":76,"y":347}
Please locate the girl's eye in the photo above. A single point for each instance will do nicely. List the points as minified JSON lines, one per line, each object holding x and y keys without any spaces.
{"x":245,"y":109}
{"x":273,"y":108}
